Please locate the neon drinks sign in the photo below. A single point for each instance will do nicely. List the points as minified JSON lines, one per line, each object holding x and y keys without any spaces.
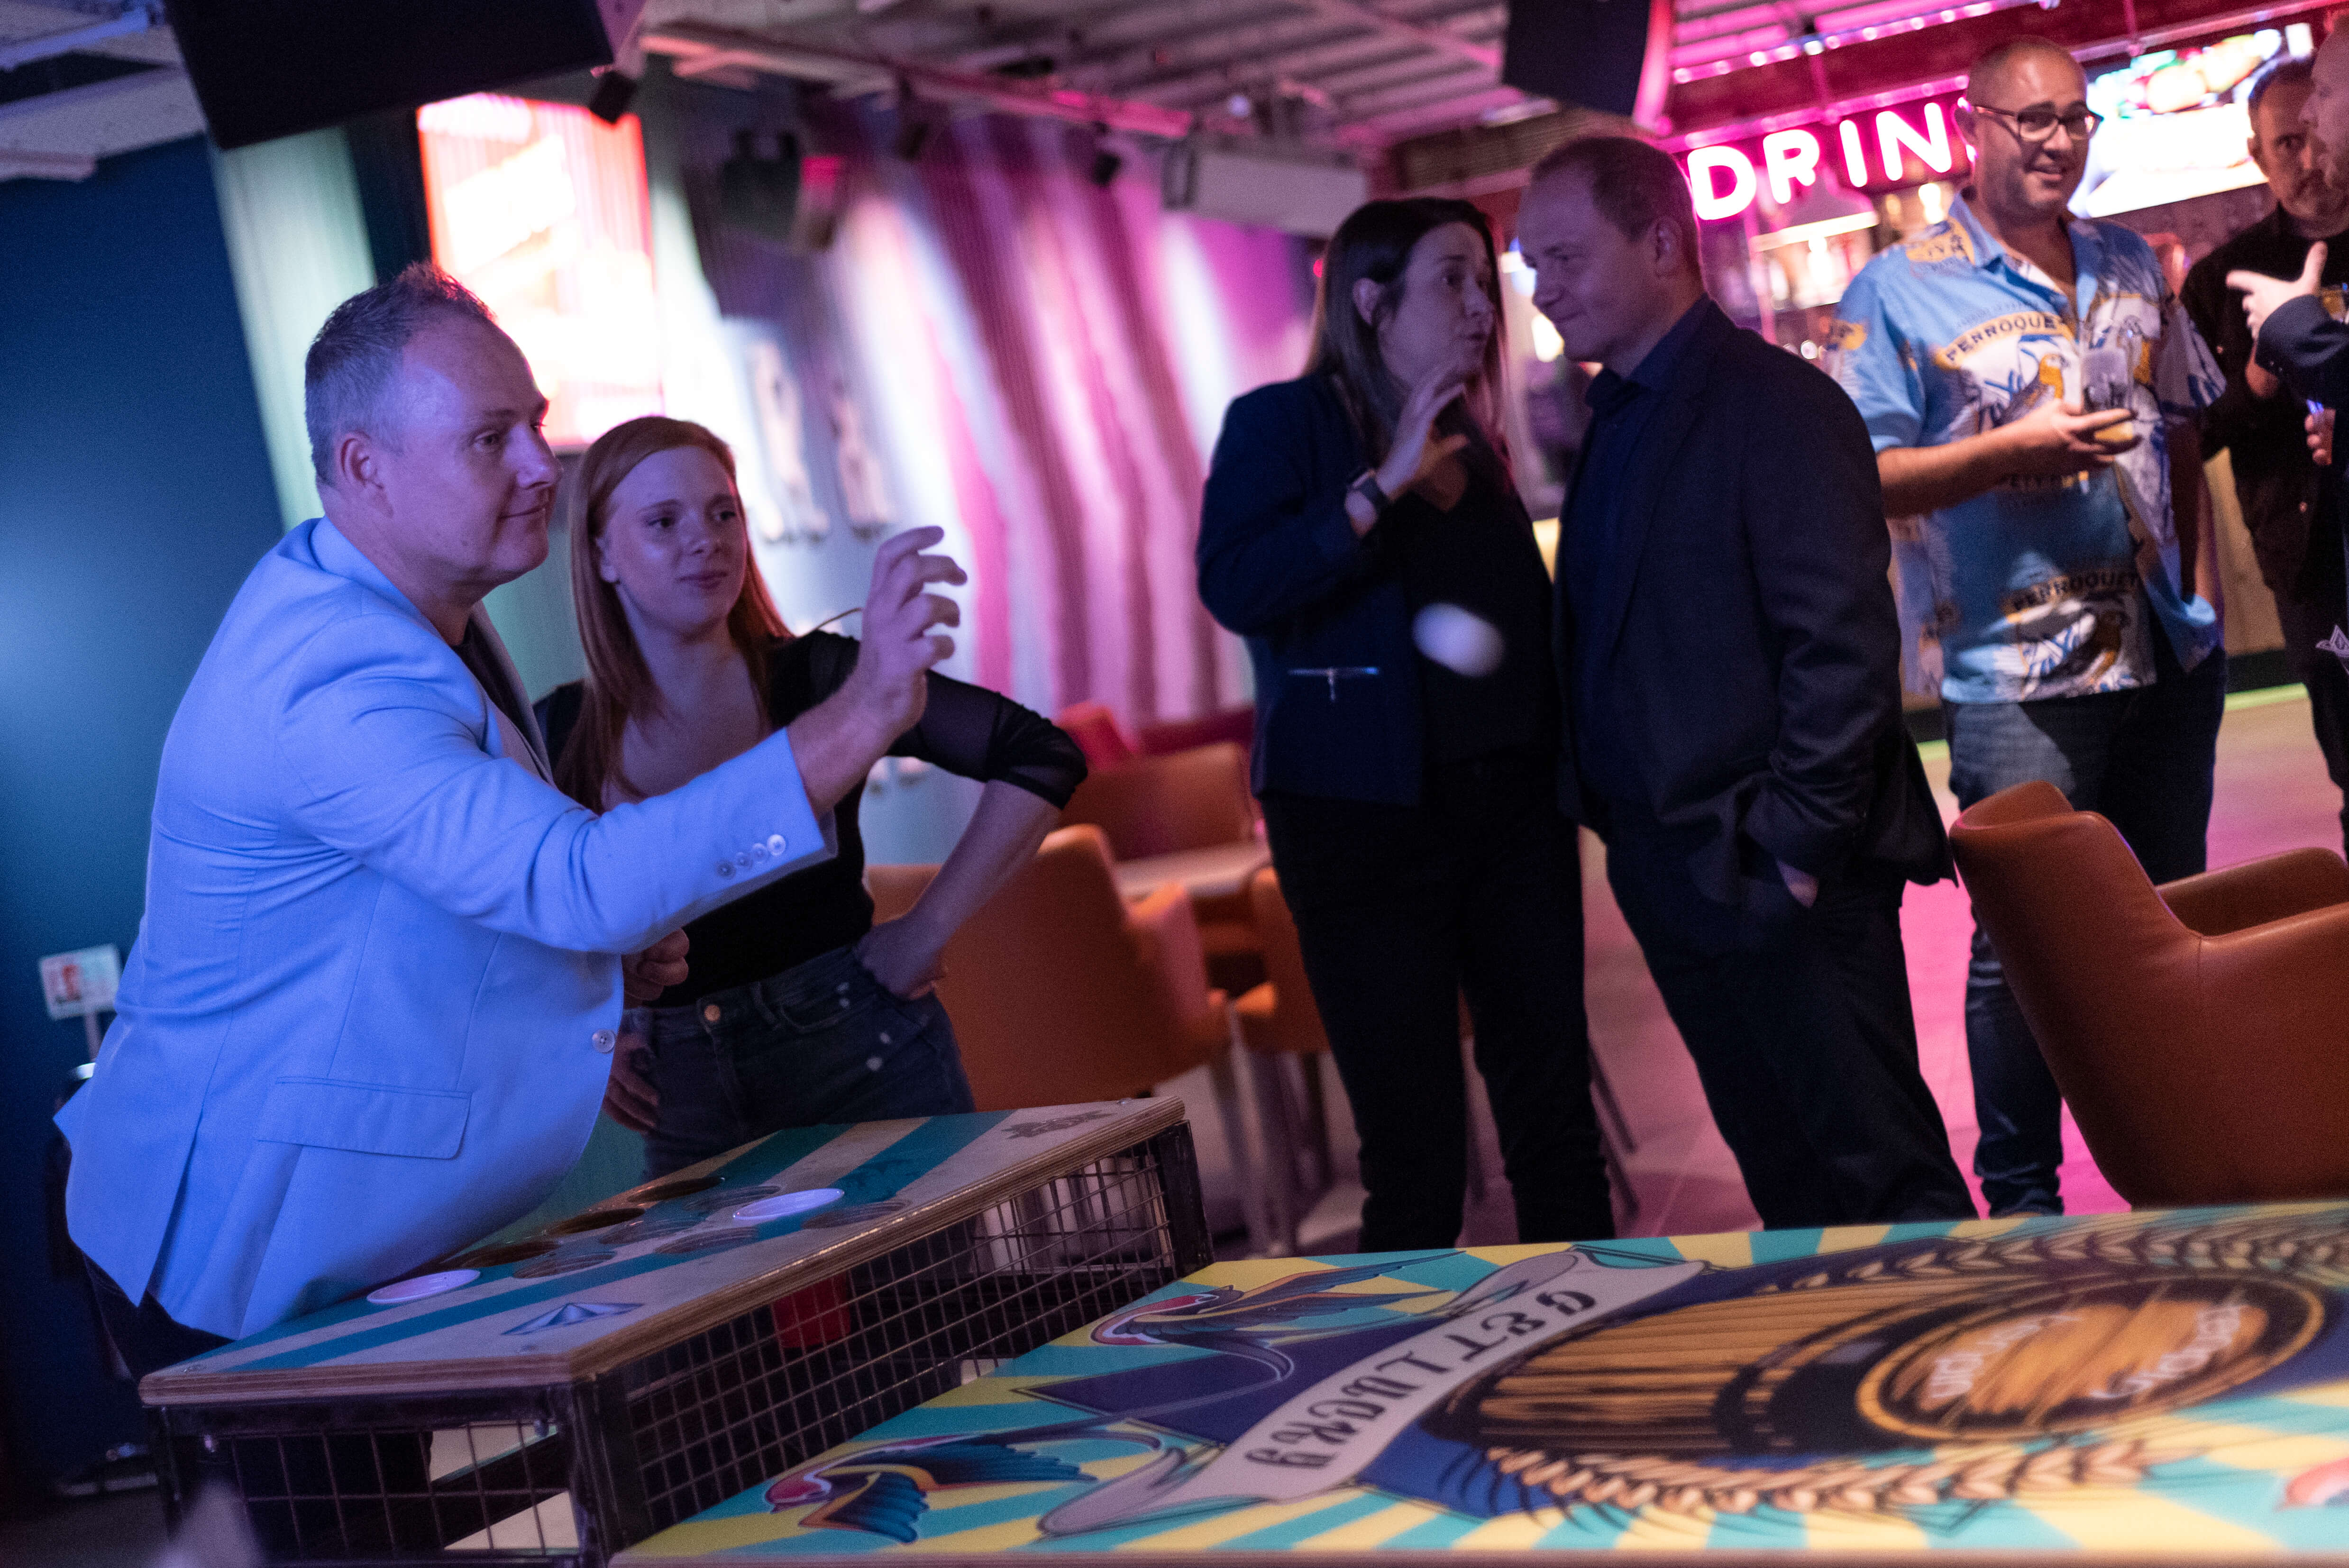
{"x":1884,"y":150}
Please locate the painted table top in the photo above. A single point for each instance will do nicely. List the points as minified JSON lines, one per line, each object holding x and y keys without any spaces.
{"x":611,"y":1294}
{"x":2141,"y":1385}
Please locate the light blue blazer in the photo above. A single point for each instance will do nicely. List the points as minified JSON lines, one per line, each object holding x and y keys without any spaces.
{"x":371,"y":1008}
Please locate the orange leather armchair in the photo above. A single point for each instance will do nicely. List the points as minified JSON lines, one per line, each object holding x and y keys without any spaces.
{"x":2199,"y":1030}
{"x":1278,"y":1017}
{"x":1097,"y":733}
{"x":1186,"y":800}
{"x":1156,"y":805}
{"x":1280,"y":1023}
{"x":1061,"y":992}
{"x":1105,"y":743}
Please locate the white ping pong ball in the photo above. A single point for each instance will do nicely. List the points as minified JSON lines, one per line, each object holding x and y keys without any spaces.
{"x":1461,"y":640}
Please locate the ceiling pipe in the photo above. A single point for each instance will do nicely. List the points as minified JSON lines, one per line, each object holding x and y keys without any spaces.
{"x":21,"y":164}
{"x":135,"y":18}
{"x":1437,"y":39}
{"x":699,"y":50}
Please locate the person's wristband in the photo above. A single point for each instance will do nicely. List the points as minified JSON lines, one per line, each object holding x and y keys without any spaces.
{"x":1369,"y":490}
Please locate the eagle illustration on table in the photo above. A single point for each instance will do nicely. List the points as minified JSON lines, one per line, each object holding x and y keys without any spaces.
{"x":2156,"y":1380}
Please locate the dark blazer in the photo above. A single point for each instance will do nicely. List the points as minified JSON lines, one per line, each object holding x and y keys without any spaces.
{"x":1751,"y":648}
{"x":1336,"y":693}
{"x":2310,"y":350}
{"x":2287,"y":504}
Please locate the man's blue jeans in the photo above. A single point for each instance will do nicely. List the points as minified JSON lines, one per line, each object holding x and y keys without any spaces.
{"x":2141,"y":758}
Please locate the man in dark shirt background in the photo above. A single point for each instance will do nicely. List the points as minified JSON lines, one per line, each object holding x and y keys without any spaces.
{"x":1729,"y":663}
{"x":2289,"y":502}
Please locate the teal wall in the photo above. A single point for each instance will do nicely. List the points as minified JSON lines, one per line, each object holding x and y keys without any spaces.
{"x":135,"y":494}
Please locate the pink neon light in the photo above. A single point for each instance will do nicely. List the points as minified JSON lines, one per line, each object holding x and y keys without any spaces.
{"x":1855,"y":156}
{"x":1932,"y":149}
{"x":1790,"y":158}
{"x":1704,"y":167}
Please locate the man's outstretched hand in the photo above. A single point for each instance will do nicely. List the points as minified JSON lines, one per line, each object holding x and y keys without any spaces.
{"x":2263,"y":294}
{"x":897,"y":643}
{"x":836,"y":741}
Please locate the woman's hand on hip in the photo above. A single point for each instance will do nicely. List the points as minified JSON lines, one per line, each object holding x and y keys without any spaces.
{"x":644,"y":976}
{"x":905,"y":959}
{"x":629,"y":1097}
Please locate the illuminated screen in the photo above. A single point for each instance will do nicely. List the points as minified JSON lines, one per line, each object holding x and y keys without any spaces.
{"x":540,"y":209}
{"x":2174,"y":123}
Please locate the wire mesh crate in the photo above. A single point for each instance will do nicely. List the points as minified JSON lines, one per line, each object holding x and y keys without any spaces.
{"x":633,"y":1365}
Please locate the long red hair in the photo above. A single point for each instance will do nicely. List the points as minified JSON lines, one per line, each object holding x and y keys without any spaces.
{"x":618,"y":683}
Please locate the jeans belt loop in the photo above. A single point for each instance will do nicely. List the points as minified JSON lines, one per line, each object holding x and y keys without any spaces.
{"x":761,"y":1003}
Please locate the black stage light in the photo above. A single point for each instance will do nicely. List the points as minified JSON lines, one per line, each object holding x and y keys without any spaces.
{"x":266,"y":68}
{"x":919,"y":119}
{"x":1608,"y":55}
{"x":615,"y":91}
{"x":759,"y":195}
{"x":1105,"y":167}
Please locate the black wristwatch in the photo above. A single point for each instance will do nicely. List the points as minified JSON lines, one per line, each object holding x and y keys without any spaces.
{"x":1369,"y":490}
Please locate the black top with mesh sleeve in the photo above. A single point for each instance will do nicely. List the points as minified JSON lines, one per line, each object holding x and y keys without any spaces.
{"x":965,"y":729}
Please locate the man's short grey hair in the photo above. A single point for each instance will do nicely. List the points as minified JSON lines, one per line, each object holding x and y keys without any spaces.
{"x":1634,"y":184}
{"x":2292,"y":70}
{"x":355,"y":354}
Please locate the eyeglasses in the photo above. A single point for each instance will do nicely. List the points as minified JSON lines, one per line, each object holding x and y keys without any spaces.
{"x":2039,"y":124}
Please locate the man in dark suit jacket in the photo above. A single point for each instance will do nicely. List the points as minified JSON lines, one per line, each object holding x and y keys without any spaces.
{"x":2290,"y":504}
{"x":2294,"y":335}
{"x":1729,"y":661}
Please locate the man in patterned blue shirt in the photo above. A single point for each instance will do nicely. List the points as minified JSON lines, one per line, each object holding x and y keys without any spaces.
{"x":2029,"y":381}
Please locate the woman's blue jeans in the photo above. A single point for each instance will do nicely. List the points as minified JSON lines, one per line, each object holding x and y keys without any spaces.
{"x":822,"y":1043}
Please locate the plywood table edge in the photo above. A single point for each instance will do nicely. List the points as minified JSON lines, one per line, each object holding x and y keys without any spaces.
{"x":1149,"y":1118}
{"x":1493,"y":1557}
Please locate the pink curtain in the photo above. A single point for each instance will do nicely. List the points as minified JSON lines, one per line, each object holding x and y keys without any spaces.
{"x":1043,"y":363}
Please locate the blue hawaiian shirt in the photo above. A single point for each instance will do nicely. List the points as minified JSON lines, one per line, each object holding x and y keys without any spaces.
{"x":2038,"y":587}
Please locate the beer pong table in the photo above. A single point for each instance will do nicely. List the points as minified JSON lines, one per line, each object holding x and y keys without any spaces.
{"x":2170,"y":1385}
{"x":553,"y":1399}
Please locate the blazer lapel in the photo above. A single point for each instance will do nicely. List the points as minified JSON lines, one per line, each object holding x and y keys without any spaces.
{"x":526,"y":744}
{"x":1667,"y":432}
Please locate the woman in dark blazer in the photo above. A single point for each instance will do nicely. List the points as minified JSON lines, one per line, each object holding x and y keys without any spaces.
{"x":1410,"y":803}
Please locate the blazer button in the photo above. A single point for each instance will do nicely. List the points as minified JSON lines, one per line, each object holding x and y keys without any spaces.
{"x":775,"y":843}
{"x":757,"y":852}
{"x":601,"y":1039}
{"x":726,"y":868}
{"x":744,"y":860}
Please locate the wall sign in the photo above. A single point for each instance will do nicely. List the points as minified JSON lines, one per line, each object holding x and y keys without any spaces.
{"x":541,"y":208}
{"x":77,"y":984}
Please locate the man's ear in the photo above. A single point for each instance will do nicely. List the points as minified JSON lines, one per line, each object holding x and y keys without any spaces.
{"x":1366,"y":302}
{"x":1964,"y":119}
{"x":355,"y":469}
{"x":1664,"y":245}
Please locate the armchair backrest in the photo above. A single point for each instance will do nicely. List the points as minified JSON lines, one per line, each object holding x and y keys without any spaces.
{"x":1056,"y":992}
{"x":1157,"y":805}
{"x":1296,"y":1022}
{"x":1097,"y":733}
{"x":2105,"y":975}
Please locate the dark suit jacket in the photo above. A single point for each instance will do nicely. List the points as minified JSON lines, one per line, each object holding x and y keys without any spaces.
{"x":1327,"y":628}
{"x":1751,"y":648}
{"x":2310,"y":351}
{"x":2287,"y":506}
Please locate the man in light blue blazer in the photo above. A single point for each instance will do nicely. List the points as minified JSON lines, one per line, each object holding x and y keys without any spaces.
{"x":372,"y":1007}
